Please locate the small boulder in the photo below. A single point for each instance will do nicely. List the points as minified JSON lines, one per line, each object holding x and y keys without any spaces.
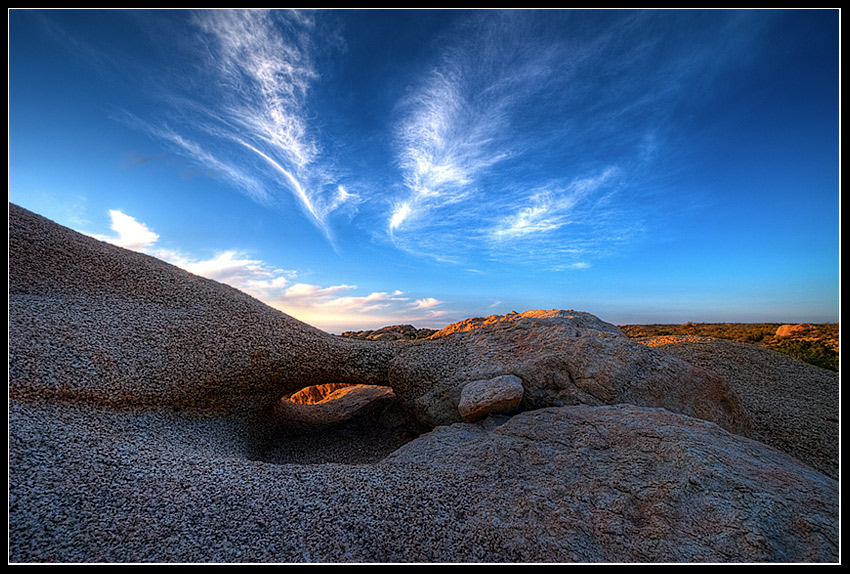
{"x":479,"y":399}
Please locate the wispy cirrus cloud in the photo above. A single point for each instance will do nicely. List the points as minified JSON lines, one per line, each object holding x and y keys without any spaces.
{"x":217,"y":164}
{"x":446,"y":143}
{"x":473,"y":178}
{"x":525,"y":144}
{"x":548,"y":209}
{"x":264,"y":58}
{"x":242,"y":110}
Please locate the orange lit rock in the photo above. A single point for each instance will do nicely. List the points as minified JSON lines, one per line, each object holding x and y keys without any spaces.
{"x":317,"y":393}
{"x":332,"y":403}
{"x":793,"y":330}
{"x":563,"y":358}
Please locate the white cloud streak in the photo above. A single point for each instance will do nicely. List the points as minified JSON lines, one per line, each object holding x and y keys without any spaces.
{"x":244,"y":112}
{"x":550,"y":210}
{"x":268,"y":75}
{"x":446,"y":143}
{"x":427,"y":303}
{"x":333,"y":308}
{"x":131,"y":234}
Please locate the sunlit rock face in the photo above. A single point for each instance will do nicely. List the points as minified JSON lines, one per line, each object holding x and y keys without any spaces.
{"x":315,"y":394}
{"x":332,"y":402}
{"x":793,"y":330}
{"x":562,"y":358}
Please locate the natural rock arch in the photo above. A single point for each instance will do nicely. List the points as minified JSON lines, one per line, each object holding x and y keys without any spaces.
{"x":93,"y":322}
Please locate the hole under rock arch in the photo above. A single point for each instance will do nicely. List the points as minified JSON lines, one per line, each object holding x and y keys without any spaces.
{"x":335,"y":422}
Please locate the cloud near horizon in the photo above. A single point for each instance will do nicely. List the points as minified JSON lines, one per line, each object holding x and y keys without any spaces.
{"x":330,"y":308}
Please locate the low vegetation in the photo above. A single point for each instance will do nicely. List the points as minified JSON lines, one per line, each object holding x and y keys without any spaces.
{"x":816,"y":344}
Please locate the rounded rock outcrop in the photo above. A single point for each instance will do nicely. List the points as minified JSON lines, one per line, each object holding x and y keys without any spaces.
{"x":562,"y":358}
{"x":796,"y":330}
{"x":93,"y":322}
{"x":630,"y":484}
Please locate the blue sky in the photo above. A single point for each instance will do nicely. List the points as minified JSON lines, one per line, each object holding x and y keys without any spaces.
{"x":362,"y":168}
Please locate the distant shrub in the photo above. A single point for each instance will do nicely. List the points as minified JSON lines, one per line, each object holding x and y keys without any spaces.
{"x":813,"y":352}
{"x":819,"y":347}
{"x":758,"y":335}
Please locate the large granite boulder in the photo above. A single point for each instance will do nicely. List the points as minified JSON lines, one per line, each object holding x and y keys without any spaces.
{"x":562,"y":358}
{"x":628,"y":484}
{"x":794,"y":406}
{"x":480,"y":399}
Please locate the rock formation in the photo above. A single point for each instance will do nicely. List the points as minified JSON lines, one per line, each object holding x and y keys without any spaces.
{"x":150,"y":420}
{"x":562,"y":358}
{"x":91,"y":321}
{"x":480,"y":399}
{"x":630,"y":484}
{"x":391,"y":333}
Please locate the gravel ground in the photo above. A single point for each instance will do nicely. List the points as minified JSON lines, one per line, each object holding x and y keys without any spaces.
{"x":101,"y":485}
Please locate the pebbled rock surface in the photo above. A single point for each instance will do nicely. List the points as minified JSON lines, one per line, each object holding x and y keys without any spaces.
{"x":146,"y":424}
{"x":91,"y":321}
{"x":631,"y":484}
{"x":794,"y":406}
{"x":562,"y":358}
{"x":564,"y":484}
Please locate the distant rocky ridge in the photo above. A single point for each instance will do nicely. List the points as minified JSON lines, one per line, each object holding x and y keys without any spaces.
{"x":151,"y":420}
{"x":391,"y":333}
